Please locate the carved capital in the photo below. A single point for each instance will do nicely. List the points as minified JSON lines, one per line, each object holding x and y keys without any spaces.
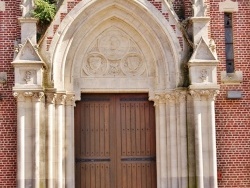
{"x":207,"y":94}
{"x":181,"y":96}
{"x":38,"y":96}
{"x":170,"y":97}
{"x":159,"y":99}
{"x":19,"y":96}
{"x":51,"y":98}
{"x":70,"y":100}
{"x":60,"y":99}
{"x":28,"y":94}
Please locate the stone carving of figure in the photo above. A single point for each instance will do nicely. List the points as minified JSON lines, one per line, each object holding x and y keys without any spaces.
{"x":26,"y":7}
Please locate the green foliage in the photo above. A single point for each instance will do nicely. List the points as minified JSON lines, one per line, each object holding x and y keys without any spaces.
{"x":45,"y":11}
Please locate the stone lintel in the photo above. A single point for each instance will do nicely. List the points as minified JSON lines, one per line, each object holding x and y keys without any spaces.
{"x":228,"y":6}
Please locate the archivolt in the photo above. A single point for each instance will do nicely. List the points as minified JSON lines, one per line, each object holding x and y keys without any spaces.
{"x":139,"y":19}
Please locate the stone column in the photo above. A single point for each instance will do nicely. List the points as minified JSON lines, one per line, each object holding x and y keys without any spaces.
{"x":172,"y":140}
{"x":29,"y":131}
{"x":20,"y":139}
{"x":161,"y":145}
{"x":50,"y":107}
{"x":181,"y":111}
{"x":39,"y":141}
{"x":60,"y":115}
{"x":212,"y":140}
{"x":205,"y":141}
{"x":198,"y":139}
{"x":70,"y":144}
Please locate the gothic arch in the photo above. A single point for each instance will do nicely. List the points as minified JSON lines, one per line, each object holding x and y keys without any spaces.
{"x":141,"y":23}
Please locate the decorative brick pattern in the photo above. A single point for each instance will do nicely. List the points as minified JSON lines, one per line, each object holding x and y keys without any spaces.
{"x":233,"y":116}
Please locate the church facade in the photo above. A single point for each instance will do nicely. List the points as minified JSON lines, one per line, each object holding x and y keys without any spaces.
{"x":126,"y":93}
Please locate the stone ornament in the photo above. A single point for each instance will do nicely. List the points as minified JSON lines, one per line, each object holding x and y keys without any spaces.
{"x":113,"y":44}
{"x":204,"y":75}
{"x":132,"y":64}
{"x":95,"y":64}
{"x":113,"y":53}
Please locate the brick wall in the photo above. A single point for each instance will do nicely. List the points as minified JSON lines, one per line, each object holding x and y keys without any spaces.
{"x":9,"y":31}
{"x":233,"y":116}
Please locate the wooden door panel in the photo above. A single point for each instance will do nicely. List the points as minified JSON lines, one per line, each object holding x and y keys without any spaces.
{"x":115,"y":141}
{"x":138,"y":175}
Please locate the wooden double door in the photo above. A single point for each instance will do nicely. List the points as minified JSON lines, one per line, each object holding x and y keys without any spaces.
{"x":115,"y":141}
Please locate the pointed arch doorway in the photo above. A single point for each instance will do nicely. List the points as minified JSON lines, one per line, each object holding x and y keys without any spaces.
{"x":115,"y":142}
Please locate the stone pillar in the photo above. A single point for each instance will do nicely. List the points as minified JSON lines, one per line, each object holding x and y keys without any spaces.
{"x":60,"y":131}
{"x":70,"y":143}
{"x":29,"y":144}
{"x":20,"y":139}
{"x":171,"y":139}
{"x":198,"y":140}
{"x":212,"y":137}
{"x":30,"y":140}
{"x":205,"y":141}
{"x":161,"y":145}
{"x":50,"y":108}
{"x":181,"y":110}
{"x":39,"y":141}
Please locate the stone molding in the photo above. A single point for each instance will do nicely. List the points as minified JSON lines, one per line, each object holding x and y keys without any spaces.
{"x":228,"y":6}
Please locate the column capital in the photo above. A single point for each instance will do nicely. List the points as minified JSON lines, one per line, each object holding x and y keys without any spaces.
{"x":61,"y":98}
{"x":19,"y":96}
{"x":51,"y":98}
{"x":37,"y":96}
{"x":207,"y":94}
{"x":159,"y":99}
{"x":70,"y":99}
{"x":170,"y":97}
{"x":181,"y":96}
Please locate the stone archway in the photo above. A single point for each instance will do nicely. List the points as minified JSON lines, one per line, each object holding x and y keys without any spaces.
{"x":112,"y":46}
{"x":121,"y":47}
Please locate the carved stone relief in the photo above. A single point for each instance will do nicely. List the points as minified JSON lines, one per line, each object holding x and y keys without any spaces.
{"x":113,"y":53}
{"x":29,"y":76}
